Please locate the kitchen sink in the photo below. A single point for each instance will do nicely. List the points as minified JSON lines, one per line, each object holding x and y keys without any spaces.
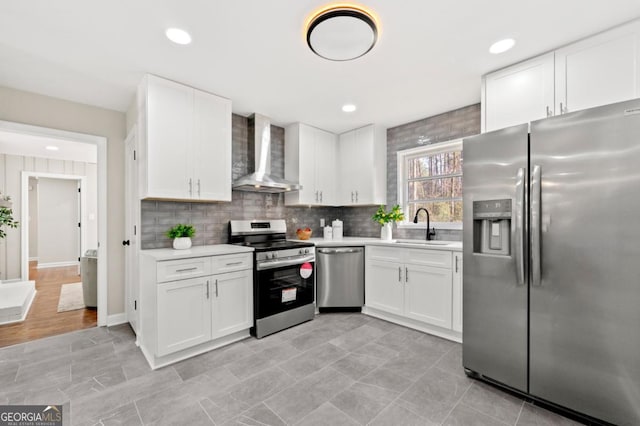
{"x":423,"y":242}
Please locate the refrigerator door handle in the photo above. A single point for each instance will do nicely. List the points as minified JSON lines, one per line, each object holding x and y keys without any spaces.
{"x":535,"y":226}
{"x":519,"y":227}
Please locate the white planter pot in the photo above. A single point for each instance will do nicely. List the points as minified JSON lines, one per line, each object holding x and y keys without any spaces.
{"x":182,"y":243}
{"x":386,"y":231}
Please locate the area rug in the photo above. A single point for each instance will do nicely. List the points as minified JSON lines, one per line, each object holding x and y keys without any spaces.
{"x":70,"y":297}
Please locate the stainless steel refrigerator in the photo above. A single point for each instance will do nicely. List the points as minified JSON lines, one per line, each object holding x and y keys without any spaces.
{"x":551,"y":298}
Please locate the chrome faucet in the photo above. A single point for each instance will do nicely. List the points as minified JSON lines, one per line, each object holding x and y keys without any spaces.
{"x":430,"y":232}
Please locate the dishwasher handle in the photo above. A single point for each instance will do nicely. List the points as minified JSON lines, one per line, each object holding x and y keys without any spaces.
{"x":341,"y":250}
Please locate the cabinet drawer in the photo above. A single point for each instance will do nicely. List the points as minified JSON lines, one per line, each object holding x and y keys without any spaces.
{"x":232,"y":262}
{"x":389,"y":254}
{"x":172,"y":270}
{"x":437,"y":258}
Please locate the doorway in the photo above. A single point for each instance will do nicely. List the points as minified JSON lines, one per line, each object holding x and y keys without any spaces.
{"x":20,"y":169}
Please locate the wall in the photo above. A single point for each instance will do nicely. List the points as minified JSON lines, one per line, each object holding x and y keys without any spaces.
{"x":11,"y":168}
{"x":455,"y":124}
{"x":59,"y":236}
{"x":38,"y":110}
{"x":33,"y":218}
{"x":211,"y":220}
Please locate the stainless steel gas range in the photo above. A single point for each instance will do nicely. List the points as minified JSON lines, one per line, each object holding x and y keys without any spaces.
{"x":283,"y":275}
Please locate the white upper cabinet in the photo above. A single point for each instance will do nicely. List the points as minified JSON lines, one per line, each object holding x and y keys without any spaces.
{"x":518,"y":94}
{"x":596,"y":71}
{"x":185,"y":139}
{"x":599,"y":70}
{"x":310,"y":160}
{"x":362,"y":170}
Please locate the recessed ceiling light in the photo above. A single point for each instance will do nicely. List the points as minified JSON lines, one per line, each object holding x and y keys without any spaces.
{"x":341,"y":32}
{"x":178,"y":36}
{"x":348,"y":108}
{"x":502,"y":46}
{"x":51,"y":148}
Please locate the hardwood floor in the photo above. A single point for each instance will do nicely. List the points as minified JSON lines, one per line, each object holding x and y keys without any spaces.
{"x":44,"y":319}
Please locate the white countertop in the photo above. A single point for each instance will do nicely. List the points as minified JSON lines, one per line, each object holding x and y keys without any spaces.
{"x":367,"y":241}
{"x":196,"y":251}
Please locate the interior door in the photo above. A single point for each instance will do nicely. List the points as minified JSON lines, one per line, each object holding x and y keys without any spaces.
{"x":131,"y":228}
{"x":495,"y":293}
{"x":584,"y":278}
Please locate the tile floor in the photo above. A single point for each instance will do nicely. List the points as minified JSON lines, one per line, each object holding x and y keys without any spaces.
{"x":340,"y":369}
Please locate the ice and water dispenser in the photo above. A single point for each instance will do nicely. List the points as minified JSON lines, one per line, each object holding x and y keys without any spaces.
{"x":492,"y":227}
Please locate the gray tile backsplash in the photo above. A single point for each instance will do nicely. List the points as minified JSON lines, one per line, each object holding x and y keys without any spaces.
{"x":211,"y":219}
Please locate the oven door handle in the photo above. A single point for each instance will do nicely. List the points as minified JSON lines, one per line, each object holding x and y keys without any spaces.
{"x":271,"y":264}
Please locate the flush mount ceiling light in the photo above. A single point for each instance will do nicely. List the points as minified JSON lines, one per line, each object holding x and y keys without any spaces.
{"x":341,"y":32}
{"x":502,"y":46}
{"x":348,"y":107}
{"x":51,"y":148}
{"x":178,"y":36}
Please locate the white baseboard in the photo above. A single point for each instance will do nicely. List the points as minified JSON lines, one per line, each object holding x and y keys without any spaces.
{"x":57,"y":264}
{"x":116,"y":319}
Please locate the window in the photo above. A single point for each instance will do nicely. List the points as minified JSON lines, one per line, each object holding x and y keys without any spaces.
{"x":431,"y":177}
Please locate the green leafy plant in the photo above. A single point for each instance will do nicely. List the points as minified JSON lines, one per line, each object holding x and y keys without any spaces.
{"x":6,"y":215}
{"x":383,"y":217}
{"x":181,"y":230}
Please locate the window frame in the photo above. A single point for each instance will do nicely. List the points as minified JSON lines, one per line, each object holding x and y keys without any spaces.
{"x":403,"y":187}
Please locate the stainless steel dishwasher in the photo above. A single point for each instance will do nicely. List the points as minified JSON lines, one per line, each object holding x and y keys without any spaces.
{"x":340,"y":277}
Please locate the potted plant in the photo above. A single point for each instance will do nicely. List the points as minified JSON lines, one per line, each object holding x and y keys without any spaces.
{"x":6,"y":215}
{"x":181,"y":235}
{"x":386,"y":219}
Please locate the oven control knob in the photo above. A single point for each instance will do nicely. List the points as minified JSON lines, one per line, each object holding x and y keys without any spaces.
{"x":306,"y":251}
{"x":301,"y":251}
{"x":274,"y":255}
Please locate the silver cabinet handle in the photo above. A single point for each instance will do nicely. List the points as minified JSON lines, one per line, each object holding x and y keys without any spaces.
{"x":207,"y":289}
{"x":536,"y":193}
{"x":549,"y":113}
{"x":320,"y":196}
{"x":399,"y":274}
{"x":234,"y":263}
{"x":352,"y":196}
{"x":518,"y":240}
{"x":216,"y":288}
{"x":563,"y":109}
{"x":187,"y":269}
{"x":356,"y":196}
{"x":190,"y":187}
{"x":406,"y":274}
{"x":316,"y":196}
{"x":457,"y":258}
{"x":198,"y":188}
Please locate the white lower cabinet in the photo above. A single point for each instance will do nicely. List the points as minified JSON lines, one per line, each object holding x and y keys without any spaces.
{"x":183,"y":315}
{"x":457,"y":292}
{"x":402,"y":286}
{"x":230,"y":310}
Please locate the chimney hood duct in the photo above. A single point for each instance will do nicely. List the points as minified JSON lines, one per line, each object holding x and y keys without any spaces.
{"x":260,"y":150}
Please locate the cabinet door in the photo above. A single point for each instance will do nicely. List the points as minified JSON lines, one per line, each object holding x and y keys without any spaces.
{"x":518,"y":94}
{"x":384,"y":286}
{"x":427,"y":296}
{"x":232,"y":307}
{"x":184,"y":314}
{"x":599,"y":70}
{"x":348,"y":161}
{"x":307,"y":172}
{"x":212,"y":147}
{"x":364,"y":166}
{"x":457,"y":293}
{"x":326,"y":167}
{"x":169,"y":139}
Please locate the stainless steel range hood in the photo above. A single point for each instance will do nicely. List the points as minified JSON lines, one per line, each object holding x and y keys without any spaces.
{"x":260,"y":150}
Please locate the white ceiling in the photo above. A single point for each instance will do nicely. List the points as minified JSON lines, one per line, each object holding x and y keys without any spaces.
{"x":428,"y":60}
{"x":35,"y":146}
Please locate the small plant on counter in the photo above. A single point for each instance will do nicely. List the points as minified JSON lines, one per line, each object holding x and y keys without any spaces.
{"x":383,"y":217}
{"x":6,"y":215}
{"x":181,"y":231}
